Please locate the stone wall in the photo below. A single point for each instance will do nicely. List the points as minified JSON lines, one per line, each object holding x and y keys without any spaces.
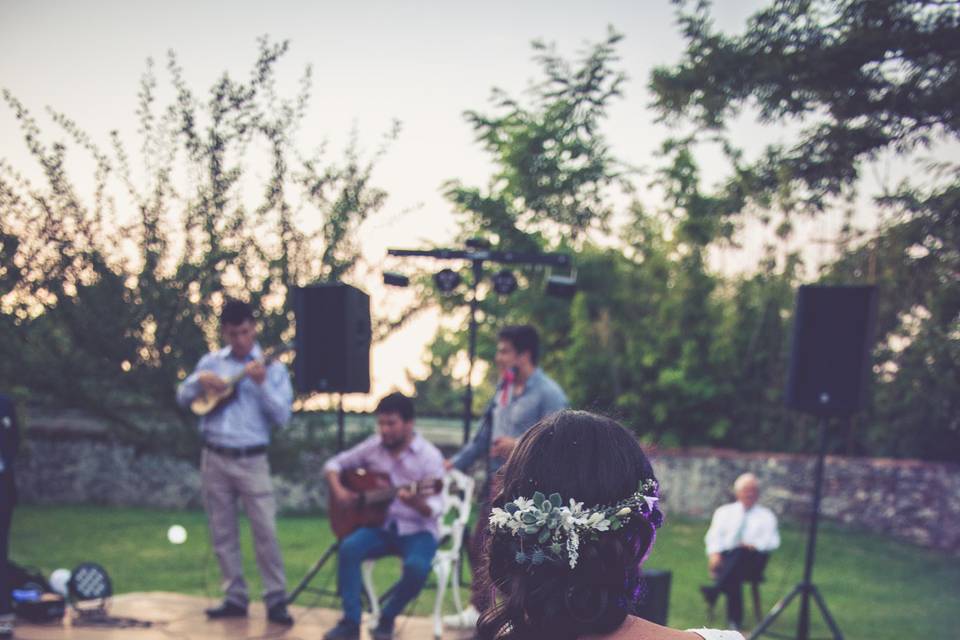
{"x":910,"y":500}
{"x":81,"y":470}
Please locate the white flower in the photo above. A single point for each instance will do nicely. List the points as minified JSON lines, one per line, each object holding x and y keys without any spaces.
{"x":573,"y":545}
{"x":499,"y":517}
{"x":651,"y":501}
{"x":523,"y":504}
{"x":597,"y":522}
{"x":623,"y":512}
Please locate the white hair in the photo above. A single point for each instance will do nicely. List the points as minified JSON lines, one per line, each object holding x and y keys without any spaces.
{"x":744,"y":480}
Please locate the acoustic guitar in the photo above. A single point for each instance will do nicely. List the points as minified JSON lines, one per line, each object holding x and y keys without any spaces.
{"x":375,"y":492}
{"x":209,"y":401}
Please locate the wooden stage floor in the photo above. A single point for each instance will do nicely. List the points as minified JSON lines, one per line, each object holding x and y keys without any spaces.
{"x":180,"y":617}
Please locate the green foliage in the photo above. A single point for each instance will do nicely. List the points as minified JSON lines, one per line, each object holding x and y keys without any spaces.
{"x":685,"y":355}
{"x":116,"y":298}
{"x":860,"y":76}
{"x":553,"y":166}
{"x":439,"y":393}
{"x":916,"y":257}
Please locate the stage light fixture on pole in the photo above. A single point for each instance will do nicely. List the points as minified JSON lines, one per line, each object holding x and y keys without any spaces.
{"x":395,"y":279}
{"x":504,"y":282}
{"x":447,"y":280}
{"x":478,"y":252}
{"x":562,"y":286}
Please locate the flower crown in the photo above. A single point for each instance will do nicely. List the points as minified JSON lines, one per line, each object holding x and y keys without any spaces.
{"x":547,"y":531}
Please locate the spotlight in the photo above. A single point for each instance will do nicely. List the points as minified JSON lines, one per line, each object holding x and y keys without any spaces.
{"x":447,"y":280}
{"x":395,"y":279}
{"x":477,"y":243}
{"x":504,"y":282}
{"x":562,"y":286}
{"x":89,"y":586}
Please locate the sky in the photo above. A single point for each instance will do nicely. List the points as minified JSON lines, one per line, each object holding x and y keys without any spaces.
{"x":422,"y":63}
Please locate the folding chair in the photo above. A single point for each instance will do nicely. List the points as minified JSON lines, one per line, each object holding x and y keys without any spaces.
{"x":457,"y":494}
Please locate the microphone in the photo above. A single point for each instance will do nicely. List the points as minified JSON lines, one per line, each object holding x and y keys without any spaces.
{"x":508,"y":377}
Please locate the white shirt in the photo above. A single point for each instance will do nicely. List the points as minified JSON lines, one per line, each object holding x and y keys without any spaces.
{"x":732,"y":526}
{"x":716,"y":634}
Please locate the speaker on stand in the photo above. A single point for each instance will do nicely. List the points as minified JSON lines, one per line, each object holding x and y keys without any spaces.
{"x":333,"y":356}
{"x":829,"y":367}
{"x":332,"y":342}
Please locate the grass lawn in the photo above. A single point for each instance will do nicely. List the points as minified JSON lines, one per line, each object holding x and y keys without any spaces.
{"x":875,"y":588}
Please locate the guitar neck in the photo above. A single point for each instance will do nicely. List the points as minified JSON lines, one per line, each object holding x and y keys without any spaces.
{"x":375,"y":496}
{"x":268,"y":357}
{"x":386,"y":494}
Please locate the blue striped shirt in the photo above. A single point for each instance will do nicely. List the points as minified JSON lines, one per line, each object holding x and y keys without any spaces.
{"x":246,"y":421}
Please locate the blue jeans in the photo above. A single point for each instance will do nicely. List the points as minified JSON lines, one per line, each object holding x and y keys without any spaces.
{"x":417,"y":551}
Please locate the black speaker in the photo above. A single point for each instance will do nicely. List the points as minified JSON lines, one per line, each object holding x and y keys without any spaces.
{"x":333,"y":339}
{"x":654,"y":602}
{"x":830,"y":357}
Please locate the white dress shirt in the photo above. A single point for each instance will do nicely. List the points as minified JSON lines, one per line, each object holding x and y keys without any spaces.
{"x":732,"y":526}
{"x":716,"y":634}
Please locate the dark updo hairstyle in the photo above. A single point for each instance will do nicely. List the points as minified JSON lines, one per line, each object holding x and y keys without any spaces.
{"x":593,"y":460}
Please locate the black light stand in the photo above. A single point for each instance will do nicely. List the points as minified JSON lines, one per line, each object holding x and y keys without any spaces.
{"x":806,"y":588}
{"x":314,"y":570}
{"x":478,"y":253}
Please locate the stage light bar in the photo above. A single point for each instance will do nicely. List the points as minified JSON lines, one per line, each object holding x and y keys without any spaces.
{"x":562,"y":286}
{"x":504,"y":282}
{"x":446,"y":280}
{"x":395,"y":279}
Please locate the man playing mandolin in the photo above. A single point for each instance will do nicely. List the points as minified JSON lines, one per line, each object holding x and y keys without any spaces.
{"x":234,"y":463}
{"x":409,"y":520}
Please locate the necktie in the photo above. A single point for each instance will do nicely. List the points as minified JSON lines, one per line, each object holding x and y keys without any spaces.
{"x":738,"y":537}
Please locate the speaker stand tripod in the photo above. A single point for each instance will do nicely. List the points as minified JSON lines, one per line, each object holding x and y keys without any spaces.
{"x":806,"y":589}
{"x":332,"y":549}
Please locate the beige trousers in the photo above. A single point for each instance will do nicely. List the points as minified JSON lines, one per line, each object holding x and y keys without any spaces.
{"x":225,"y":480}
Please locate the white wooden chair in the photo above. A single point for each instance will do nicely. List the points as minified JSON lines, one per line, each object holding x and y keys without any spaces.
{"x":457,"y":496}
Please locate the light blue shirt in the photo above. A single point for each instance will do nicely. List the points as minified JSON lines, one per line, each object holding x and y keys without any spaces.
{"x":541,"y":397}
{"x":246,"y":421}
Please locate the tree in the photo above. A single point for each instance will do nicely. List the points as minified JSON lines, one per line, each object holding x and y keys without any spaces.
{"x":553,"y":166}
{"x":550,"y":190}
{"x":915,"y":259}
{"x":862,"y":77}
{"x":116,"y":304}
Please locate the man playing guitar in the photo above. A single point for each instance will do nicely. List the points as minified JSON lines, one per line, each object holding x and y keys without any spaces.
{"x":410,"y":528}
{"x":234,"y":465}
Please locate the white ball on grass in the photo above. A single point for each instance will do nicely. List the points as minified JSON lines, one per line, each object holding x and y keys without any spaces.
{"x":177,"y":534}
{"x":59,"y":580}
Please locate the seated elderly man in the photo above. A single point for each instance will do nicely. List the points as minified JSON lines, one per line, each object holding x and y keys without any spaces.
{"x":741,"y":536}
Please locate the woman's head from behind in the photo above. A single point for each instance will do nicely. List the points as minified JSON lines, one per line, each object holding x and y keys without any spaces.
{"x":589,"y":585}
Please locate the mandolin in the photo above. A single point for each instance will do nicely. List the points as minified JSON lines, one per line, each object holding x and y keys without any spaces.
{"x":209,"y":401}
{"x":376,"y":492}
